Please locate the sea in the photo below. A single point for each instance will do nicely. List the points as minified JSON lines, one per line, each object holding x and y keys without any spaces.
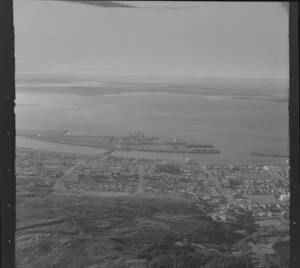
{"x":235,"y":126}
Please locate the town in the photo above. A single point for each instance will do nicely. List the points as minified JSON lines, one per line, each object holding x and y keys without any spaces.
{"x":261,"y":190}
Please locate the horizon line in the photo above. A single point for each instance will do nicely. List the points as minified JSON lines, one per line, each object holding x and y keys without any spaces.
{"x":146,"y":76}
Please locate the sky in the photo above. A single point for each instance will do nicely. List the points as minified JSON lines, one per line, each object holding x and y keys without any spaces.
{"x":216,"y":39}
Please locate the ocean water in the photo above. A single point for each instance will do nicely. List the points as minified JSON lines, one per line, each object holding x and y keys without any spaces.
{"x":237,"y":127}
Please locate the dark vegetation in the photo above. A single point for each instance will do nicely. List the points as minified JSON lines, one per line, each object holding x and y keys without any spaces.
{"x":78,"y":230}
{"x":190,"y":258}
{"x":282,"y":256}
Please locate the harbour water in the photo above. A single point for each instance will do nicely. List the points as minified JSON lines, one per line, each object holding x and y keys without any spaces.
{"x":57,"y":147}
{"x":218,"y":159}
{"x":236,"y":127}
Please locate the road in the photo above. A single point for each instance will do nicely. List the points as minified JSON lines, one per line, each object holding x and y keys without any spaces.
{"x":59,"y":185}
{"x":141,"y":186}
{"x":222,"y":191}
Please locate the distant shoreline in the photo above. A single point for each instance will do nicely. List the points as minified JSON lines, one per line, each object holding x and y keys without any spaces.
{"x":95,"y":91}
{"x":256,"y":89}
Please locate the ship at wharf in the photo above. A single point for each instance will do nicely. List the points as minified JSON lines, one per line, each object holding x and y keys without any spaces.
{"x":144,"y":144}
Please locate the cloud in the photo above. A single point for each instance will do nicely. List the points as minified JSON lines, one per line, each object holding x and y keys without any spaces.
{"x":158,"y":5}
{"x":136,"y":5}
{"x":105,"y":4}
